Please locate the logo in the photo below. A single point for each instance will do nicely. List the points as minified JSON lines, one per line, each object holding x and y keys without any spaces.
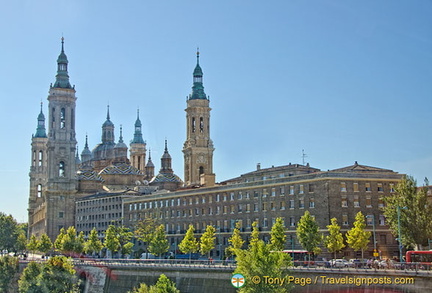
{"x":238,"y":280}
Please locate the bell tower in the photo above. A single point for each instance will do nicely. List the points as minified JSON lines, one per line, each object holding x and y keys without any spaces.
{"x":61,"y":146}
{"x":198,"y":148}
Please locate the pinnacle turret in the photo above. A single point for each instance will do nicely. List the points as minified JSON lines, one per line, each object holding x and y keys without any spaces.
{"x":62,"y":77}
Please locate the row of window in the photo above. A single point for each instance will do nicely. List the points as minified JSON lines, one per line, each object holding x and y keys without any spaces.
{"x":99,"y":208}
{"x":356,"y":202}
{"x":367,"y":187}
{"x":99,"y":201}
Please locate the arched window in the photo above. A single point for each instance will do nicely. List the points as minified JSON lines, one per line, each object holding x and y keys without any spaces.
{"x":193,"y":124}
{"x":201,"y":170}
{"x":34,"y":158}
{"x":62,"y":169}
{"x":40,"y":158}
{"x":39,"y":190}
{"x":62,"y":118}
{"x":201,"y":124}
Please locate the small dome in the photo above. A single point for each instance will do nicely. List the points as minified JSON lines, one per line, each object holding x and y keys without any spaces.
{"x":166,"y":177}
{"x":120,"y":145}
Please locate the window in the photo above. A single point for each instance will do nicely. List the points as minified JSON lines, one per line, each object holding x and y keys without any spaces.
{"x":380,"y":187}
{"x":382,"y":220}
{"x":61,"y":215}
{"x":240,"y":195}
{"x":380,"y":203}
{"x":282,"y":191}
{"x":40,"y":158}
{"x":264,"y":194}
{"x":248,"y":208}
{"x":39,"y":190}
{"x":291,"y":205}
{"x":62,"y":171}
{"x":255,"y":207}
{"x":265,"y":223}
{"x":225,"y":209}
{"x":203,"y":200}
{"x":264,"y":206}
{"x":355,"y":187}
{"x":356,"y":201}
{"x":292,"y":222}
{"x":62,"y":118}
{"x":343,"y":187}
{"x":344,"y":220}
{"x":301,"y":189}
{"x":311,"y":202}
{"x":273,"y":192}
{"x":282,"y":205}
{"x":291,"y":192}
{"x":301,"y":203}
{"x":369,"y":220}
{"x":217,"y":197}
{"x":311,"y":188}
{"x":392,"y":187}
{"x":232,"y":209}
{"x":272,"y":206}
{"x":344,"y":203}
{"x":240,"y":208}
{"x":368,"y":202}
{"x":367,"y":187}
{"x":232,"y":196}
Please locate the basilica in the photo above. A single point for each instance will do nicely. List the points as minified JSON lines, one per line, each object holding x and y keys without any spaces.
{"x":59,"y":177}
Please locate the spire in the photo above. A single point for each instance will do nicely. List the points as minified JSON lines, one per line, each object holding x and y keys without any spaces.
{"x":86,"y":155}
{"x":77,"y":159}
{"x":108,"y":129}
{"x":121,"y":134}
{"x":197,"y":88}
{"x":62,"y":77}
{"x":138,"y":133}
{"x":40,"y":130}
{"x":166,"y":161}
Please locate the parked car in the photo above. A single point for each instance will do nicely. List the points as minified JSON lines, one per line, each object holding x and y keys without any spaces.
{"x":339,"y":263}
{"x":355,"y":263}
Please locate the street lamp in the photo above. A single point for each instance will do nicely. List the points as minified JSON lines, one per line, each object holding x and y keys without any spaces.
{"x":374,"y":234}
{"x":399,"y":231}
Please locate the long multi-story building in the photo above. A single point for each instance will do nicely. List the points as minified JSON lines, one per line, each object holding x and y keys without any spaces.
{"x":265,"y":194}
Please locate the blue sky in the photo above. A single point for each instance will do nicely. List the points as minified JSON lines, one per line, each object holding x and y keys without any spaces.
{"x":344,"y":80}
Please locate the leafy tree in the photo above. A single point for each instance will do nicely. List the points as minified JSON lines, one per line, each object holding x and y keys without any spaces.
{"x":278,"y":237}
{"x":44,"y":244}
{"x":71,"y":243}
{"x":334,"y":241}
{"x":93,"y":244}
{"x":56,"y":275}
{"x":357,"y":237}
{"x":163,"y":285}
{"x":260,"y":260}
{"x":8,"y":269}
{"x":308,"y":234}
{"x":236,"y":241}
{"x":21,"y":243}
{"x":33,"y":243}
{"x":159,"y":243}
{"x":189,"y":244}
{"x":207,"y":241}
{"x":125,"y":235}
{"x":28,"y":281}
{"x":145,"y":229}
{"x":415,"y":213}
{"x":111,"y":240}
{"x":58,"y":242}
{"x":9,"y":232}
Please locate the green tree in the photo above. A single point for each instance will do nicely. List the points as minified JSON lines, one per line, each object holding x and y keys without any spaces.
{"x":56,"y":275}
{"x":145,"y":229}
{"x":159,"y":243}
{"x":189,"y":244}
{"x":236,"y":241}
{"x":9,"y":231}
{"x":58,"y":242}
{"x":260,"y":260}
{"x":278,"y":237}
{"x":71,"y":243}
{"x":357,"y":237}
{"x":415,"y":213}
{"x":21,"y":243}
{"x":33,"y":243}
{"x":124,"y":235}
{"x":163,"y":285}
{"x":334,"y":241}
{"x":111,"y":240}
{"x":207,"y":241}
{"x":44,"y":244}
{"x":93,"y":244}
{"x":8,"y":269}
{"x":308,"y":234}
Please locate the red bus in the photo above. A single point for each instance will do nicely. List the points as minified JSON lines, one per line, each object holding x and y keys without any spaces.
{"x":424,"y":257}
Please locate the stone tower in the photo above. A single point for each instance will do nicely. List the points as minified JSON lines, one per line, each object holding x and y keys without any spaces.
{"x":198,"y":148}
{"x":58,"y":207}
{"x":38,"y":178}
{"x":138,"y":147}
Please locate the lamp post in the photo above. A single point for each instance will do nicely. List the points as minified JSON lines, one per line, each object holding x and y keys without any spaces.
{"x":398,"y":208}
{"x":373,"y":233}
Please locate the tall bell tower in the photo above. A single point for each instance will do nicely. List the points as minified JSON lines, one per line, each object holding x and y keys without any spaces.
{"x":198,"y":147}
{"x":61,"y":147}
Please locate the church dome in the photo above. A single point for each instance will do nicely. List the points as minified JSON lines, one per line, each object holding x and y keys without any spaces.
{"x":120,"y":169}
{"x":166,"y":177}
{"x":88,"y":175}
